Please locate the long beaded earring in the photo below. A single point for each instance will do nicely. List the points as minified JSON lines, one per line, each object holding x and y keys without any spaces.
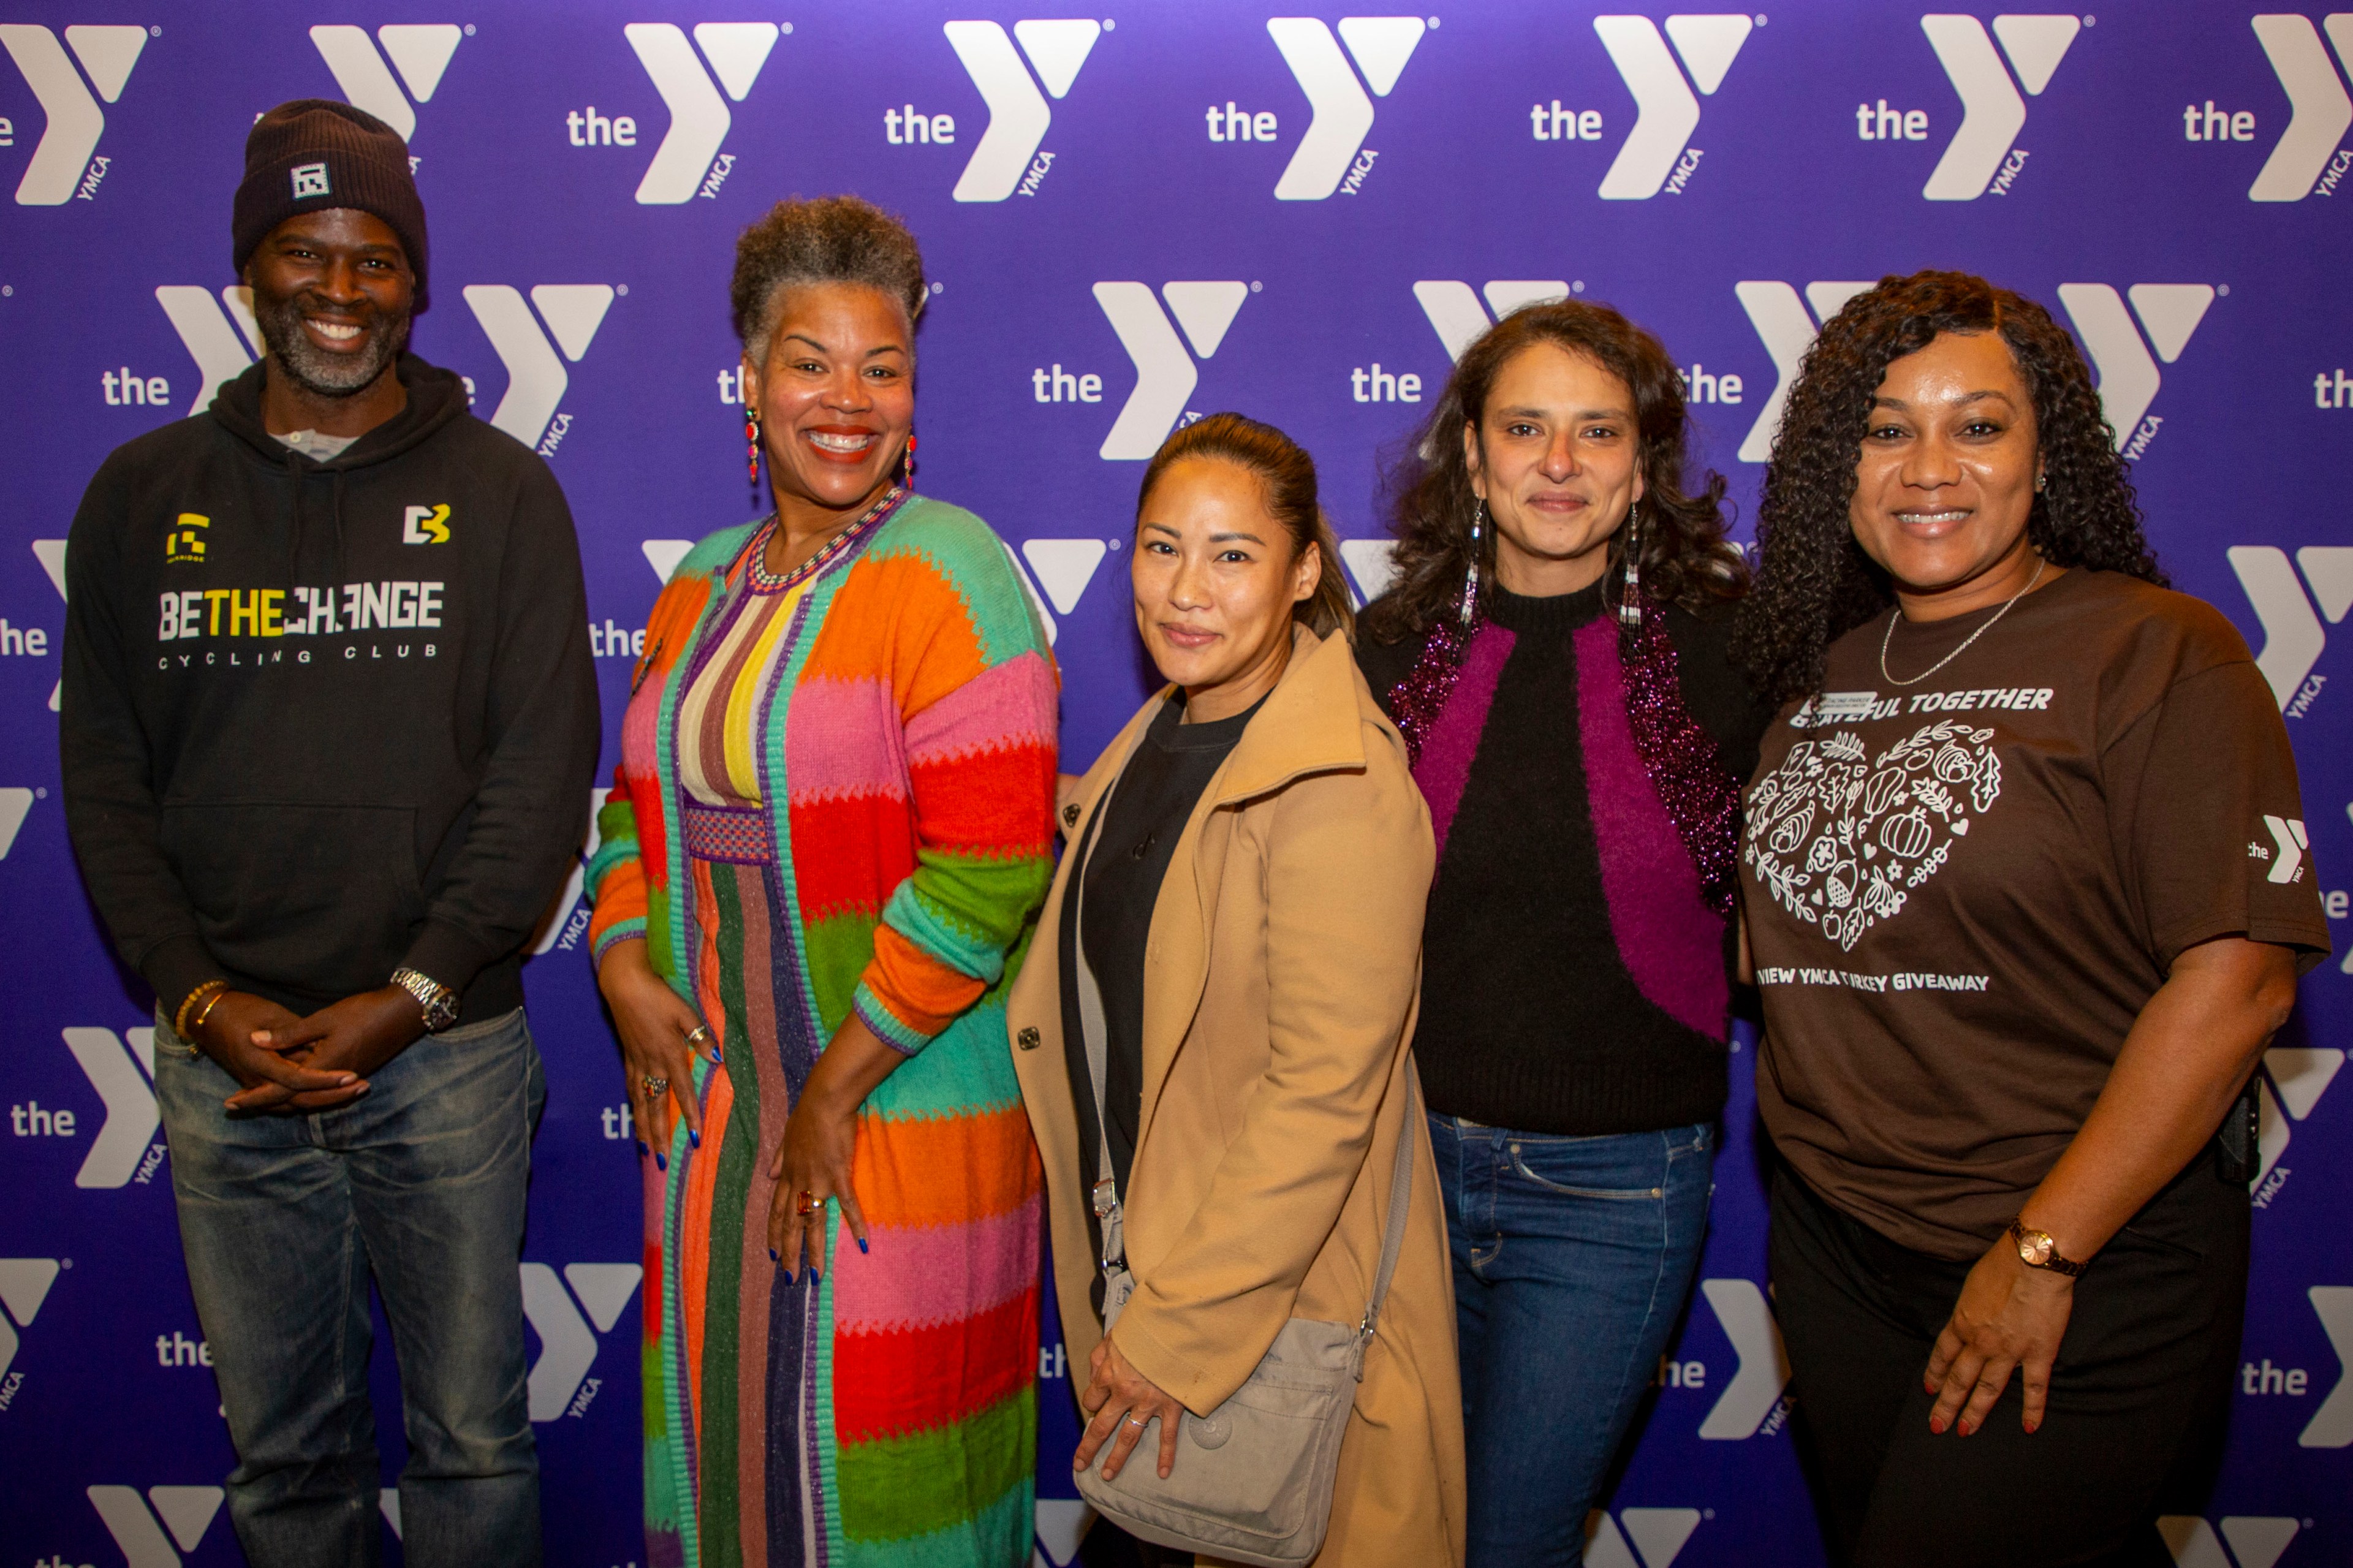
{"x":1630,"y":605}
{"x":752,"y":447}
{"x":907,"y":463}
{"x":1471,"y":580}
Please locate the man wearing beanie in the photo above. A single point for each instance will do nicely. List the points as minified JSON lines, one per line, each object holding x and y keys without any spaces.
{"x":328,"y":727}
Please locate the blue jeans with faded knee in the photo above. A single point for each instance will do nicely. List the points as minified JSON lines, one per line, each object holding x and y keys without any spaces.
{"x":421,"y":1184}
{"x":1573,"y":1257}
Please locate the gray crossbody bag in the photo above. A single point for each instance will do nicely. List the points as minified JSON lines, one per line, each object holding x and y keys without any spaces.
{"x":1252,"y":1480}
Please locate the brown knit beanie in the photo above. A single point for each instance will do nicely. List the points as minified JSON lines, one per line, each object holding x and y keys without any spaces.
{"x":315,"y":153}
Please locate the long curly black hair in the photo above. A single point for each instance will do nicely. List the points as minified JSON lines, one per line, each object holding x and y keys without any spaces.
{"x":1684,"y":559}
{"x":1814,"y":584}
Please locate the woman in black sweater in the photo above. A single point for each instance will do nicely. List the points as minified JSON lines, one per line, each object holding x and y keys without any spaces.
{"x":1554,"y":650}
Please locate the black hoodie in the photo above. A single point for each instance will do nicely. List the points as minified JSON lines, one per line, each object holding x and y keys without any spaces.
{"x":323,"y":720}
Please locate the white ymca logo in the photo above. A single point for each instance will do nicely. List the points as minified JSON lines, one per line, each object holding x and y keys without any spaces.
{"x":559,"y":921}
{"x":1018,"y":112}
{"x":2293,"y":636}
{"x":1764,"y":1371}
{"x":1062,"y":568}
{"x":567,"y":1348}
{"x":15,"y":804}
{"x":2257,"y":1540}
{"x":120,"y":1068}
{"x":536,"y":379}
{"x":1992,"y":114}
{"x":204,"y":332}
{"x":2292,"y":1079}
{"x":74,"y":121}
{"x":186,"y":1512}
{"x":1458,"y":318}
{"x":699,"y":119}
{"x":2322,"y":111}
{"x":1658,"y":1532}
{"x":2168,"y":312}
{"x":23,"y":1285}
{"x":419,"y":51}
{"x":51,"y":553}
{"x":1787,"y":333}
{"x":1165,"y":373}
{"x":1342,"y":116}
{"x":1665,"y":112}
{"x":2331,"y":1426}
{"x":1061,"y":1523}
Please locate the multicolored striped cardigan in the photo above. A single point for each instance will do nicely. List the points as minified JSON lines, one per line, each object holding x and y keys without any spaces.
{"x":906,"y":738}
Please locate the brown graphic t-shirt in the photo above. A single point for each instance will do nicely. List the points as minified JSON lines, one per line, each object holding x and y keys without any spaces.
{"x":1961,"y":892}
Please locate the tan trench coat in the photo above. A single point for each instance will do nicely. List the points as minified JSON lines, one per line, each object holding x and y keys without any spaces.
{"x":1284,"y":968}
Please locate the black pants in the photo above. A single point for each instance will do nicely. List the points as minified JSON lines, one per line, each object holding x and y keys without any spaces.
{"x":2139,"y":1397}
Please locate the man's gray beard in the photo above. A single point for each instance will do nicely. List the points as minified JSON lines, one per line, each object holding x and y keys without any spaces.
{"x":316,"y":371}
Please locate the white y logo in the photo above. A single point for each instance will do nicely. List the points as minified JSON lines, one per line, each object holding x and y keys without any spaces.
{"x":2331,"y":1426}
{"x":1062,"y":568}
{"x":75,"y":120}
{"x":1658,"y":1532}
{"x":2292,"y":1080}
{"x":186,"y":1512}
{"x":116,"y":1074}
{"x":1341,"y":114}
{"x":204,"y":329}
{"x":1164,"y":375}
{"x":536,"y":379}
{"x":23,"y":1285}
{"x":51,"y":553}
{"x":420,"y":51}
{"x":567,"y":1347}
{"x":1665,"y":112}
{"x":559,"y":913}
{"x":15,"y":804}
{"x":1787,"y":333}
{"x":1457,"y":317}
{"x":2321,"y":110}
{"x":1017,"y":114}
{"x":2293,"y":637}
{"x":2257,"y":1540}
{"x":1764,"y":1371}
{"x":1992,"y":114}
{"x":698,"y":116}
{"x":2169,"y":312}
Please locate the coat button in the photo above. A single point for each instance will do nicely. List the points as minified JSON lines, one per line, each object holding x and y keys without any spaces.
{"x":1026,"y":1039}
{"x":1071,"y":815}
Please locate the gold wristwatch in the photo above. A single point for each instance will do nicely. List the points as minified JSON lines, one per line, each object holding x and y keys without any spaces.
{"x":440,"y":1003}
{"x":2036,"y":1249}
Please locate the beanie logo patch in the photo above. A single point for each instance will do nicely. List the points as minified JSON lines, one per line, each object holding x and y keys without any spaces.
{"x":310,"y":180}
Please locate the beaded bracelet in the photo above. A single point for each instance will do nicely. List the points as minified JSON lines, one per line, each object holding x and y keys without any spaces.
{"x":216,"y":989}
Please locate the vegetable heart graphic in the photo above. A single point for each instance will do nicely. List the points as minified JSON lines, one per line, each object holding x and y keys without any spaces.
{"x":1841,"y":838}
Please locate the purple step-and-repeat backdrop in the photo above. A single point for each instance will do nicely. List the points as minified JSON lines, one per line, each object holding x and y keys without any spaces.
{"x":1131,"y":219}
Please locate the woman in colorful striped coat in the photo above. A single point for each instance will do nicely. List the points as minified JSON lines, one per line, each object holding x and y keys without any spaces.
{"x":819,"y":867}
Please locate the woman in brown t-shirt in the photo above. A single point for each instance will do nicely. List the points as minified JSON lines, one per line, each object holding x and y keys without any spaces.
{"x":2024,"y":892}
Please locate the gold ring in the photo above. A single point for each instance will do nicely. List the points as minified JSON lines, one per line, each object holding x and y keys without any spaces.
{"x":654,"y":1084}
{"x":700,"y":1032}
{"x":810,"y":1203}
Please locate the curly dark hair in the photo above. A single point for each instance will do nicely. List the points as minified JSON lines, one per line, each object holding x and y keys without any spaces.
{"x":829,"y":239}
{"x":1814,"y":584}
{"x":1684,"y":558}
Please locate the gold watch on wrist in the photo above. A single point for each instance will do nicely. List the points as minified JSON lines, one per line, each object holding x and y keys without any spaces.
{"x":440,"y":1003}
{"x":2037,"y":1250}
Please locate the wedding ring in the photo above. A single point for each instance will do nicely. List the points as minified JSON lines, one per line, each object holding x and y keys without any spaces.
{"x":654,"y":1083}
{"x":1136,"y":1421}
{"x":700,"y":1032}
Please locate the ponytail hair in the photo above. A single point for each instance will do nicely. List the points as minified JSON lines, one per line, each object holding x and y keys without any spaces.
{"x":1287,"y":474}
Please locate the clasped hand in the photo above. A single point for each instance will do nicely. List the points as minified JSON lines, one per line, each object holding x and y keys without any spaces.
{"x":2009,"y":1318}
{"x":1120,"y":1398}
{"x":291,"y":1066}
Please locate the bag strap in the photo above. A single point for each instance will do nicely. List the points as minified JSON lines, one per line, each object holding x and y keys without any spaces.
{"x":1106,"y":1199}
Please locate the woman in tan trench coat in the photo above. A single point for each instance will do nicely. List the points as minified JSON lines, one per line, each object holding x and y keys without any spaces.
{"x":1277,"y":971}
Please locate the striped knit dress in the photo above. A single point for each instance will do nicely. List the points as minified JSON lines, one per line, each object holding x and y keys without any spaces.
{"x":835,"y":793}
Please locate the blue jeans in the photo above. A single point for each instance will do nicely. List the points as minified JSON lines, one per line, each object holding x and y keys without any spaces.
{"x":420,"y":1183}
{"x":1573,"y":1257}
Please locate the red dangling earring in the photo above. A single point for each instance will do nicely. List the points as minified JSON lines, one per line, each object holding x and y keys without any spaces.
{"x":907,"y":463}
{"x":752,"y":447}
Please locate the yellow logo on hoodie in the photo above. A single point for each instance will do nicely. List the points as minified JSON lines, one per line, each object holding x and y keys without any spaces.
{"x":426,"y":525}
{"x":185,"y":544}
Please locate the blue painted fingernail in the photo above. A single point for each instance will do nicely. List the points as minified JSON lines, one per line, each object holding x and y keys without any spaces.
{"x":694,"y":1138}
{"x":772,"y":1256}
{"x":788,"y":1276}
{"x":661,"y":1161}
{"x":861,"y":1243}
{"x":717,"y":1060}
{"x":642,"y":1150}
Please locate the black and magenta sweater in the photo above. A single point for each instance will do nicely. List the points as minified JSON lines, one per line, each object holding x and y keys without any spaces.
{"x":1575,"y":967}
